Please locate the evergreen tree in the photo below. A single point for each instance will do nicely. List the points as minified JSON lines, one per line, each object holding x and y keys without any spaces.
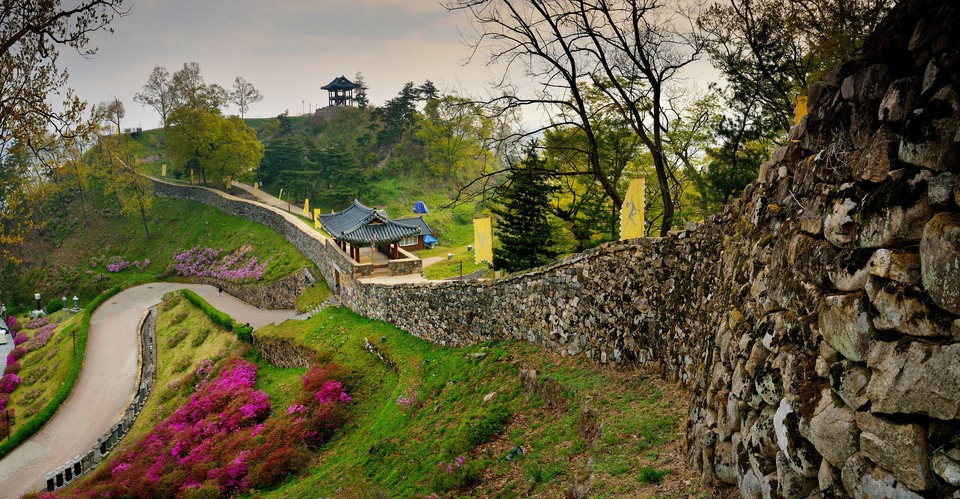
{"x":526,"y":238}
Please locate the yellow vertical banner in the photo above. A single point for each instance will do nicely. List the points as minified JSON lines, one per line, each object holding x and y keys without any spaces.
{"x":163,"y":170}
{"x":316,"y":217}
{"x":256,"y":186}
{"x":228,"y":181}
{"x":306,"y":207}
{"x":801,"y":109}
{"x":631,"y":213}
{"x":482,"y":240}
{"x":191,"y":175}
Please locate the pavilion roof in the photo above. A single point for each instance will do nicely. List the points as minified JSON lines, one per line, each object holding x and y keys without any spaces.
{"x":358,"y":224}
{"x":340,"y":83}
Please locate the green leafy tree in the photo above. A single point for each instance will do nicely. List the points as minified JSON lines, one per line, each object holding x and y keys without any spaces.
{"x":453,"y":131}
{"x":134,"y":192}
{"x":32,"y":34}
{"x":361,"y":94}
{"x":523,"y":228}
{"x":214,"y":146}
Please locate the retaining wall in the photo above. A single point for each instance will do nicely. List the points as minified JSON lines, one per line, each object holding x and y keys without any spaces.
{"x":816,"y":320}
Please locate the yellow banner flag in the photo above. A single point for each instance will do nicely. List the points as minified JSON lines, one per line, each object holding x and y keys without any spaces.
{"x":316,"y":217}
{"x":191,"y":175}
{"x":801,"y":110}
{"x":306,"y":207}
{"x":229,"y":182}
{"x":631,"y":214}
{"x":163,"y":170}
{"x":482,"y":240}
{"x":255,"y":189}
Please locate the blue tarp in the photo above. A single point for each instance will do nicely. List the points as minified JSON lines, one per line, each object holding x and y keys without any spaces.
{"x":420,"y":207}
{"x":429,"y":240}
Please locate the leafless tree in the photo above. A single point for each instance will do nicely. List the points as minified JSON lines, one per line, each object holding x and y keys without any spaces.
{"x":157,"y":93}
{"x":632,"y":50}
{"x":244,"y":94}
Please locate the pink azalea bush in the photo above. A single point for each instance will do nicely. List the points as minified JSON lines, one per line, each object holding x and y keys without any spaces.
{"x":118,"y":263}
{"x":41,"y":337}
{"x":207,"y":262}
{"x":37,"y":323}
{"x":224,"y":441}
{"x":9,"y":383}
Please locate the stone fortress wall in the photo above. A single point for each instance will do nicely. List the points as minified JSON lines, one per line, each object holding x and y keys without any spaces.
{"x":816,"y":320}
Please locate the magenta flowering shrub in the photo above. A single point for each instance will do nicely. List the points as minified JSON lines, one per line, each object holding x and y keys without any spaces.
{"x":20,"y":339}
{"x":16,"y":354}
{"x":223,"y":441}
{"x":37,"y":323}
{"x":408,"y":399}
{"x":118,"y":263}
{"x":41,"y":337}
{"x":12,"y":368}
{"x":9,"y":383}
{"x":12,"y":323}
{"x":206,"y":262}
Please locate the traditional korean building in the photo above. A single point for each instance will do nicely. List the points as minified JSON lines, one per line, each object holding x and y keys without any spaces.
{"x":420,"y":241}
{"x":340,"y":91}
{"x":359,"y":226}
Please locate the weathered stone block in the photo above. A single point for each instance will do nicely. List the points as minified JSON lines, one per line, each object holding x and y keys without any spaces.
{"x":946,"y":464}
{"x":833,"y":429}
{"x":940,"y":189}
{"x":899,"y":101}
{"x":849,"y":381}
{"x":914,"y":377}
{"x":929,"y":135}
{"x":902,"y":309}
{"x":845,"y":324}
{"x":901,"y":448}
{"x":940,"y":260}
{"x":876,"y":161}
{"x":838,"y":224}
{"x":901,"y":266}
{"x":862,"y":479}
{"x":894,"y":214}
{"x":869,"y":84}
{"x":791,"y":484}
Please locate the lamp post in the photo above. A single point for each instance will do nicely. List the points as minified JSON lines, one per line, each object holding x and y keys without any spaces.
{"x":36,"y":296}
{"x":76,"y":303}
{"x":64,"y":302}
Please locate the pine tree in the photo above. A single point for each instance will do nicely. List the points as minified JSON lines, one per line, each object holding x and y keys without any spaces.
{"x":525,"y":234}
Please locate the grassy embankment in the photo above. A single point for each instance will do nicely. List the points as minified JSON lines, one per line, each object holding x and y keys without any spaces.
{"x":71,"y":258}
{"x":626,"y":424}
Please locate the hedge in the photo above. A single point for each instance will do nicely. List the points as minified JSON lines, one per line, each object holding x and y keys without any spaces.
{"x":244,"y":333}
{"x":34,"y":424}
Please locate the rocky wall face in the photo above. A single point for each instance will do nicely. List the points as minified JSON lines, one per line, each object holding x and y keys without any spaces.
{"x":816,"y":320}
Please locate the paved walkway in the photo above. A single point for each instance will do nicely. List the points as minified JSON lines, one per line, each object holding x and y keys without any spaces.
{"x":106,"y":383}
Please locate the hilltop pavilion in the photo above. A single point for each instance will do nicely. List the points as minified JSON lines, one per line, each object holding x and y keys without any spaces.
{"x":340,"y":91}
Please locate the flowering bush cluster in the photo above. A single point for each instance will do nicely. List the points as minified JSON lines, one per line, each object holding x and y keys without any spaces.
{"x":41,"y":337}
{"x":453,"y":475}
{"x":118,"y":263}
{"x":37,"y":323}
{"x":408,"y":399}
{"x":9,"y":383}
{"x":206,"y":262}
{"x":12,"y":323}
{"x":16,"y":354}
{"x":222,"y":442}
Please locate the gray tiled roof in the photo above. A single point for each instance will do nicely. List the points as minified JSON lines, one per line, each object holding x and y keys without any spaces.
{"x":358,"y":224}
{"x":339,"y":83}
{"x":418,"y":222}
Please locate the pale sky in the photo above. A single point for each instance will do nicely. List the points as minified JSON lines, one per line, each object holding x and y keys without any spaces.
{"x":288,"y":49}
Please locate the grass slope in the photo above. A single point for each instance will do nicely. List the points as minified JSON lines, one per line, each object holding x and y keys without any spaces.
{"x":60,"y":264}
{"x":630,"y":434}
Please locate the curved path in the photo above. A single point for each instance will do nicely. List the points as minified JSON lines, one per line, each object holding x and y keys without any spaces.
{"x":106,"y":382}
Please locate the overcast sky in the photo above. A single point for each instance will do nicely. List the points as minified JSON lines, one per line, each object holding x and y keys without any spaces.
{"x":288,"y":49}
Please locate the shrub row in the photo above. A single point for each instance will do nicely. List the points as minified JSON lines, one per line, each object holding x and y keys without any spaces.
{"x":34,"y":424}
{"x":244,"y":333}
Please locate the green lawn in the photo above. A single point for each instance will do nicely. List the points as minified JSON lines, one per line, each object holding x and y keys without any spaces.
{"x":392,"y":448}
{"x":44,"y":369}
